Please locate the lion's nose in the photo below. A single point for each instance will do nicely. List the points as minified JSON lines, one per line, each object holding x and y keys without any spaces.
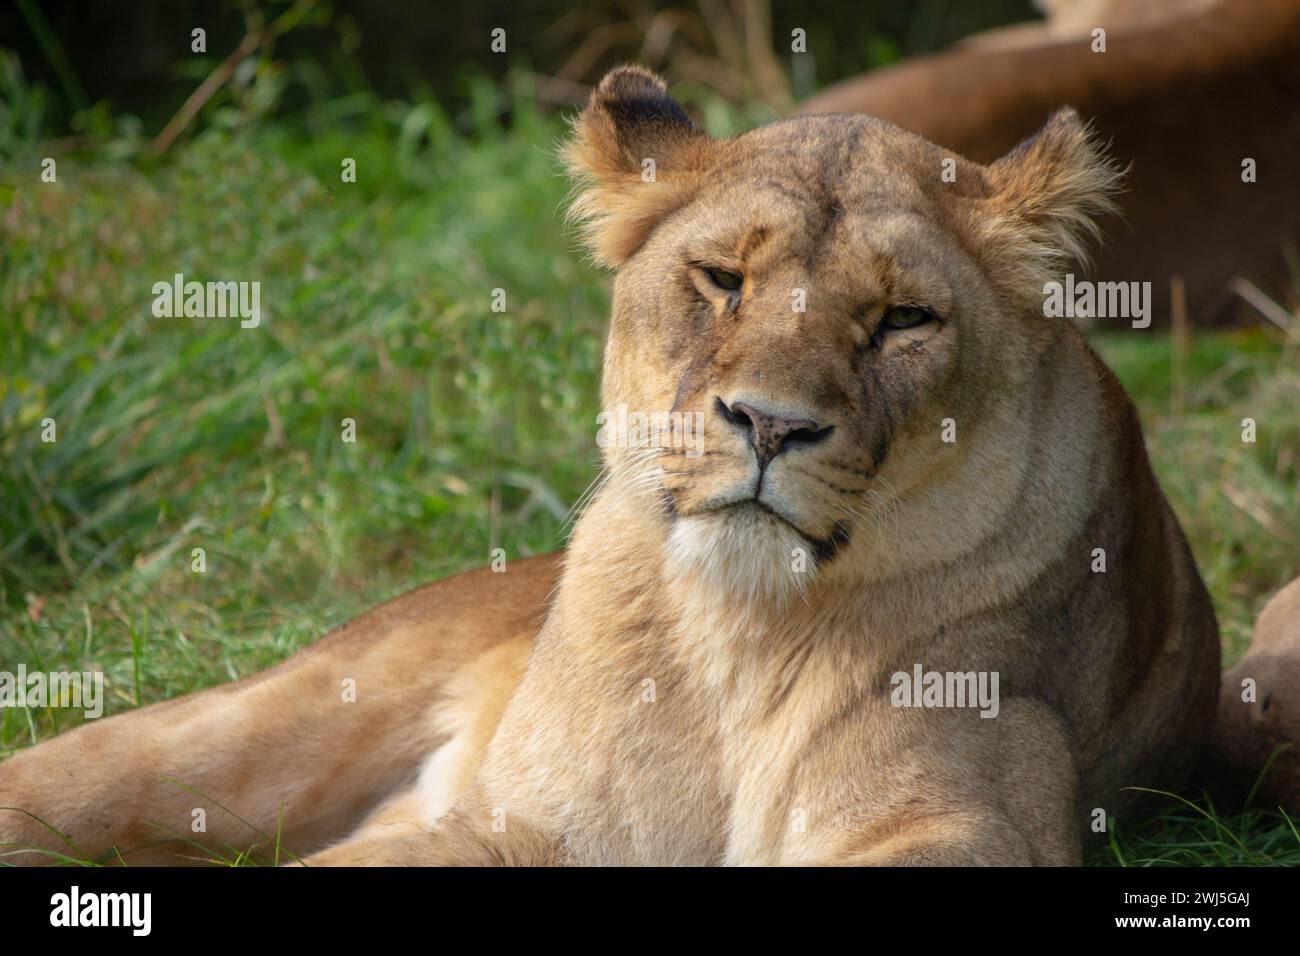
{"x":770,"y":434}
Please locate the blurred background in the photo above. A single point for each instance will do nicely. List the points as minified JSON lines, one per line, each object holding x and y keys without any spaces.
{"x":135,"y":58}
{"x":475,"y":429}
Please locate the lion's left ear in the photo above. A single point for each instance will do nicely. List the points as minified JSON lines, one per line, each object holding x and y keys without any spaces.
{"x":634,"y":157}
{"x":1044,"y":199}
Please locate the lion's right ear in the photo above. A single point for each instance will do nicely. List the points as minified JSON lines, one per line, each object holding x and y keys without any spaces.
{"x":634,"y":157}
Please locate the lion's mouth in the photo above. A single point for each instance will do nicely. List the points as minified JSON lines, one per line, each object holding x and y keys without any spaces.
{"x":824,"y":549}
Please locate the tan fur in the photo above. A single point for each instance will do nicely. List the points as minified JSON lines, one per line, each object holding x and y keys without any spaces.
{"x":712,"y":683}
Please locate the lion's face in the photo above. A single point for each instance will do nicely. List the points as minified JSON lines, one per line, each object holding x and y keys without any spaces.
{"x":825,"y":299}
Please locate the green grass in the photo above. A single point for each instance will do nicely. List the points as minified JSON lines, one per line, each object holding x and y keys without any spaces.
{"x":474,"y":427}
{"x":175,"y":434}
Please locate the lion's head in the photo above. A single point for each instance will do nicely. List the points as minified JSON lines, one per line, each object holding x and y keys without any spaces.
{"x":842,"y":305}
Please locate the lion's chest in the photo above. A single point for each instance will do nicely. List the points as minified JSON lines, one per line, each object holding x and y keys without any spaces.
{"x":643,"y":764}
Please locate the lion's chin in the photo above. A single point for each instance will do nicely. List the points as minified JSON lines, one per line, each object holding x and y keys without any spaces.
{"x":745,"y":553}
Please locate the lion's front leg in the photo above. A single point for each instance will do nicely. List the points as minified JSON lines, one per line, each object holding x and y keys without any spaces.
{"x":278,"y":758}
{"x":999,"y":792}
{"x":979,"y":839}
{"x":467,"y":836}
{"x":921,"y":837}
{"x":290,"y":759}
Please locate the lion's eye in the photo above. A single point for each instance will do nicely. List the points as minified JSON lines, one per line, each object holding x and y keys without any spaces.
{"x":906,"y":317}
{"x":730,"y":281}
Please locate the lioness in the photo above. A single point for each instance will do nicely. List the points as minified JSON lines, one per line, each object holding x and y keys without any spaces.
{"x":908,"y":471}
